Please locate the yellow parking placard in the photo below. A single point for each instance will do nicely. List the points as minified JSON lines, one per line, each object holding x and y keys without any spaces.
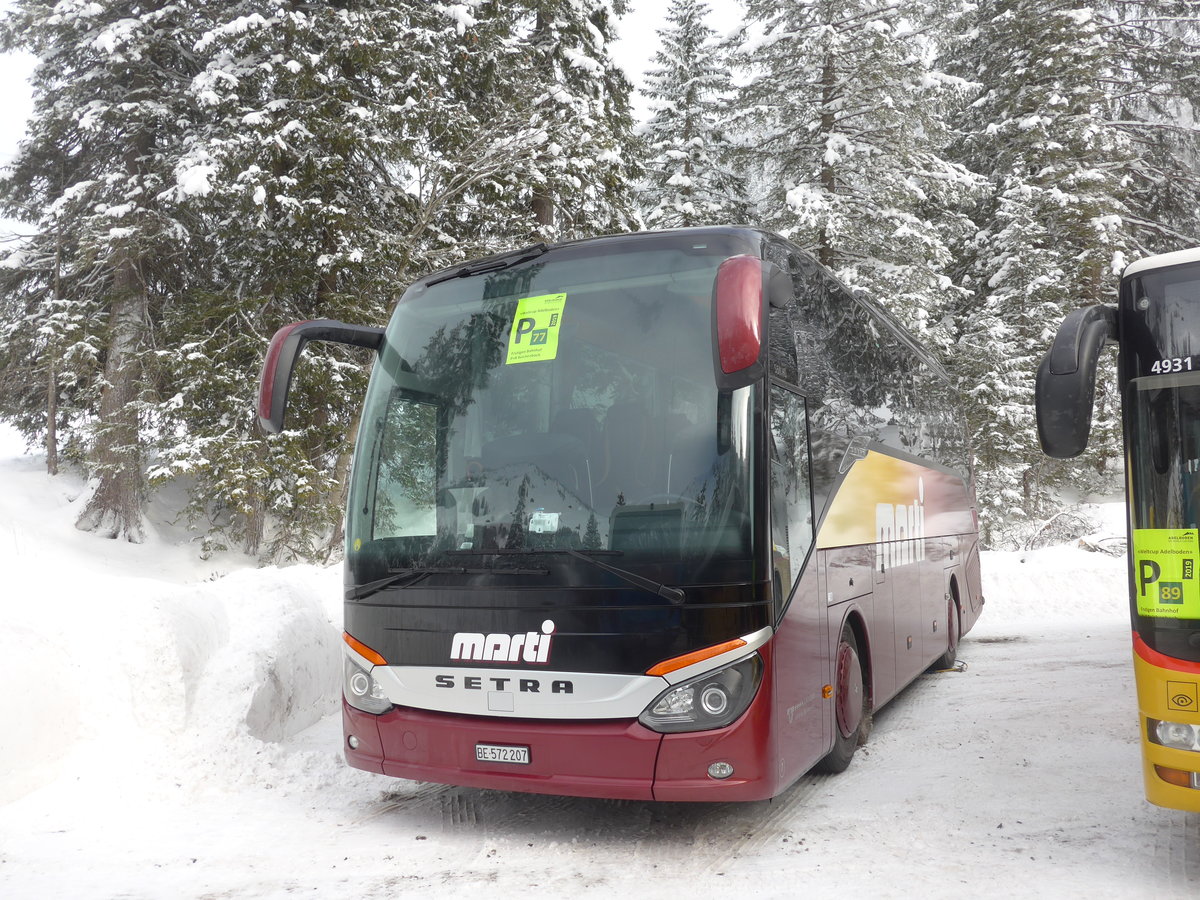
{"x":534,"y":335}
{"x":1164,"y":572}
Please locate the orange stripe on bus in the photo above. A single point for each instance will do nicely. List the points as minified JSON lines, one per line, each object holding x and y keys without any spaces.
{"x":681,"y":662}
{"x":363,"y":650}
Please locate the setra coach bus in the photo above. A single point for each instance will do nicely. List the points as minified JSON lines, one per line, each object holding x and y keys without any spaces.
{"x":660,"y":516}
{"x":1156,"y":328}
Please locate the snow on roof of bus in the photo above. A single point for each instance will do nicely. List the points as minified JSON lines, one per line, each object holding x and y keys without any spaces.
{"x":1177,"y":258}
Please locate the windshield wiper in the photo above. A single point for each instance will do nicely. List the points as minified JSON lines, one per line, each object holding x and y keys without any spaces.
{"x":493,"y":263}
{"x":407,"y":577}
{"x":674,"y":594}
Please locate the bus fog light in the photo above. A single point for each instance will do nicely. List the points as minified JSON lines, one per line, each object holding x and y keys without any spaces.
{"x":1176,"y":735}
{"x":720,"y":770}
{"x":352,"y":741}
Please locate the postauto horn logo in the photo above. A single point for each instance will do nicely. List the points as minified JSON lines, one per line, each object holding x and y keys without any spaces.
{"x":531,"y":646}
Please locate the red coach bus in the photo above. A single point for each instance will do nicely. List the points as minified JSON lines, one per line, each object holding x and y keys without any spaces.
{"x":655,"y":516}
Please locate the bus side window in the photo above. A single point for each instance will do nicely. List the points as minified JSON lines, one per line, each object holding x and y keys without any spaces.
{"x":791,"y":498}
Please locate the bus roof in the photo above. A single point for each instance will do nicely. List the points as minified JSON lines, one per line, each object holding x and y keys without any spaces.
{"x":1162,"y":260}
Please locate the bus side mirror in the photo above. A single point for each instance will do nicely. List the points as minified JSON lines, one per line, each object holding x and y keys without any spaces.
{"x":285,"y":349}
{"x":1066,"y":380}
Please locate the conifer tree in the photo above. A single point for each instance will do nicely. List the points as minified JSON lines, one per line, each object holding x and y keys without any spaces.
{"x":690,"y":175}
{"x":1152,"y":79}
{"x":580,"y":182}
{"x":367,"y":150}
{"x":1080,"y":180}
{"x":843,"y":117}
{"x":215,"y":170}
{"x":110,"y":113}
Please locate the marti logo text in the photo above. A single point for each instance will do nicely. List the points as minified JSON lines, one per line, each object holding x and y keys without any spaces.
{"x":900,"y":530}
{"x":531,"y":647}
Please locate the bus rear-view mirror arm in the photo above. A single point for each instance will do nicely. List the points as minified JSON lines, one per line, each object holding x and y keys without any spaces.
{"x":1066,"y":380}
{"x":285,"y":349}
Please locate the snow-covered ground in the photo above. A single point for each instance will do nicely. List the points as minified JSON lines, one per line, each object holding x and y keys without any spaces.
{"x":169,"y":728}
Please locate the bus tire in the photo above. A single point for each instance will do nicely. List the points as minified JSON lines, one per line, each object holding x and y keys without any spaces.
{"x":954,"y":630}
{"x":852,"y":714}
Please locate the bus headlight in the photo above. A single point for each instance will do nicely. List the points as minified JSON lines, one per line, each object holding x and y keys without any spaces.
{"x":361,"y":690}
{"x":713,"y":700}
{"x":1177,"y":735}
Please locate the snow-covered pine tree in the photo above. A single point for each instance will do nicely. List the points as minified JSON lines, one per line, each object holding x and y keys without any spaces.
{"x":48,"y":352}
{"x":580,"y":183}
{"x":691,"y":179}
{"x":346,"y":150}
{"x":110,"y":112}
{"x":1153,"y":84}
{"x":843,"y":119}
{"x":1050,"y":230}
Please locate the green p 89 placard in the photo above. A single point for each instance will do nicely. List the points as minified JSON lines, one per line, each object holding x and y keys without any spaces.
{"x":1164,"y":572}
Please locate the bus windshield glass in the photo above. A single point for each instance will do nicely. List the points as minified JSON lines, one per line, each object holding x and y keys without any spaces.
{"x":567,"y":402}
{"x":1164,"y":446}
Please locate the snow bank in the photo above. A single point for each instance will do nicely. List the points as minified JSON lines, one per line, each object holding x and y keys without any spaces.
{"x":105,"y":642}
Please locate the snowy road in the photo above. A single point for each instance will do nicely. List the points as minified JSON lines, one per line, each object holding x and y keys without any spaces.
{"x":1017,"y":777}
{"x":132,"y":692}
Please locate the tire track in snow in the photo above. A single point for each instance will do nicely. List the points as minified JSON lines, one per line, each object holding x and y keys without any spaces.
{"x":747,"y":830}
{"x":1177,"y":850}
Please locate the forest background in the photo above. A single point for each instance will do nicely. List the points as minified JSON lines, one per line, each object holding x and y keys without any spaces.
{"x":196,"y":174}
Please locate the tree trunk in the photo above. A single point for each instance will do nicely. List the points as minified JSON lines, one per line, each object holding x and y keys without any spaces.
{"x":52,"y":371}
{"x":542,"y":203}
{"x":115,"y":509}
{"x":825,"y":254}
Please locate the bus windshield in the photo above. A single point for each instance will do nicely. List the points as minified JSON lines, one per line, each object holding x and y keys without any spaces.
{"x":1164,"y":446}
{"x":567,"y":402}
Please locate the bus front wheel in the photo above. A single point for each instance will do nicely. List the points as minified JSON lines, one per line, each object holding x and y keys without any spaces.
{"x":852,"y":714}
{"x":953,"y":633}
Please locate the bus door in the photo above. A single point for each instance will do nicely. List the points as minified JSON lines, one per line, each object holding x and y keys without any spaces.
{"x":903,"y":570}
{"x":941,"y":559}
{"x":883,"y":655}
{"x":801,"y":639}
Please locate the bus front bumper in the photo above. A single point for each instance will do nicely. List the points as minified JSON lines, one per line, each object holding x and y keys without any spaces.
{"x":1168,"y":690}
{"x":620,"y":760}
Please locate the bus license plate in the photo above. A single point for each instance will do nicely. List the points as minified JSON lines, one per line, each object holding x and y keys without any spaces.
{"x":502,"y":754}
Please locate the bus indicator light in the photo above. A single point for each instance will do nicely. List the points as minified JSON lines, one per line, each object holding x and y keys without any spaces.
{"x":363,"y":650}
{"x":682,"y":662}
{"x":1178,"y":777}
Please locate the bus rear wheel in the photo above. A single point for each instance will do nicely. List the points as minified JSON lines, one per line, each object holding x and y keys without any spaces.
{"x":852,"y":714}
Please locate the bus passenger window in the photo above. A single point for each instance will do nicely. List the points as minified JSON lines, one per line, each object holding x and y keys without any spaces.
{"x":791,"y":525}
